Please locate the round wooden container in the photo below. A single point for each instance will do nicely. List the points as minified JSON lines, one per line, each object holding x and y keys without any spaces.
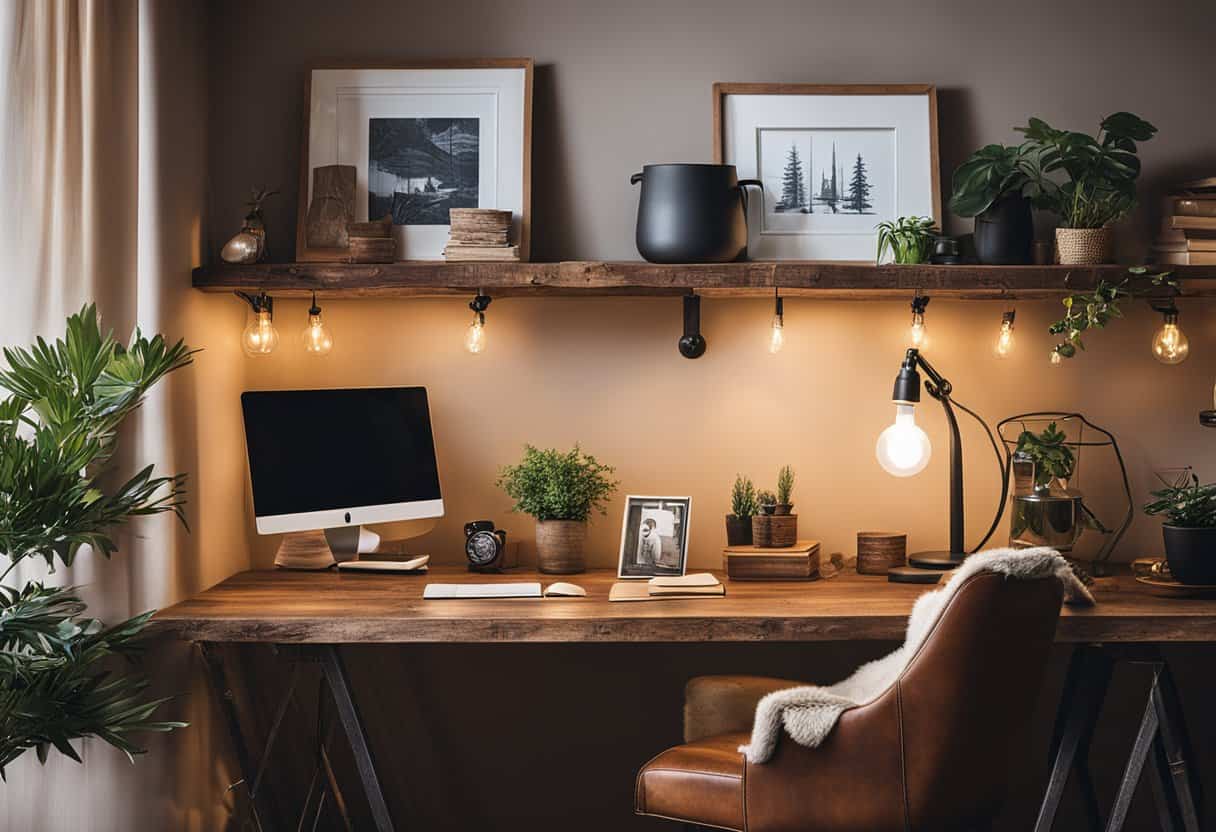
{"x":879,"y":551}
{"x":559,"y":546}
{"x":774,"y":531}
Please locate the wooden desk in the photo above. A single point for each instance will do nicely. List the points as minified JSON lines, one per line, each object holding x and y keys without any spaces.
{"x":339,"y":608}
{"x":313,"y":612}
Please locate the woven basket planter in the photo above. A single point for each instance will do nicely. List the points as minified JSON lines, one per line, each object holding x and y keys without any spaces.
{"x":1083,"y":246}
{"x":560,"y":546}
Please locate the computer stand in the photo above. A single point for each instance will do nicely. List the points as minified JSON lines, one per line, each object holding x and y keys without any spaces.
{"x":321,"y":549}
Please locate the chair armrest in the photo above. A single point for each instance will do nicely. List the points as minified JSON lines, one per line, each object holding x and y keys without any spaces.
{"x":725,"y":704}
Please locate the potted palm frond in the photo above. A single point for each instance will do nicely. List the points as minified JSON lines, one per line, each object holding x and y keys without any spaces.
{"x":59,"y":422}
{"x":742,"y":509}
{"x":909,"y":239}
{"x":560,"y":489}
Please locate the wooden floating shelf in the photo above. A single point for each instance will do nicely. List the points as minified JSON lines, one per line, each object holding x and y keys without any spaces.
{"x":853,"y":281}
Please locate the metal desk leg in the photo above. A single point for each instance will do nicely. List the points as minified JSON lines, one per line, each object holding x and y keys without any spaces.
{"x":1174,"y":746}
{"x":1085,"y":686}
{"x":348,"y":713}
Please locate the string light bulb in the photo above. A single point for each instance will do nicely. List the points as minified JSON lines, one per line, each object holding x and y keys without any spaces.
{"x":317,"y":338}
{"x":1004,"y":339}
{"x":475,"y":335}
{"x":777,"y":338}
{"x":918,"y":332}
{"x":1170,"y":344}
{"x":259,"y":336}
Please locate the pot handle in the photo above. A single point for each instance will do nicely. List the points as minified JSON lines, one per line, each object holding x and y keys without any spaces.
{"x":635,"y":179}
{"x":743,"y":185}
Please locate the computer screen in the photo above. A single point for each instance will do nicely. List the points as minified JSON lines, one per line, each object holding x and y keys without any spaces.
{"x":324,"y":458}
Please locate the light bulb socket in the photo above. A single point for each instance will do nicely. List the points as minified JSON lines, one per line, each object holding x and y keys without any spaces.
{"x":1008,"y":316}
{"x":692,"y":342}
{"x":261,"y":302}
{"x":779,"y":308}
{"x":314,"y":309}
{"x":907,"y":382}
{"x":919,"y":302}
{"x":480,"y":303}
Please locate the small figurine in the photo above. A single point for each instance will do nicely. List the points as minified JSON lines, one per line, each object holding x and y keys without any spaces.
{"x":249,"y":244}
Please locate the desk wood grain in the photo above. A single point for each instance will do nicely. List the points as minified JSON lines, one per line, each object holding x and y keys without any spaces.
{"x":329,"y":607}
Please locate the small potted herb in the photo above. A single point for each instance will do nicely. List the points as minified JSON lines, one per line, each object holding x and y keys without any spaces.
{"x":561,"y":490}
{"x":909,"y":239}
{"x":742,"y":509}
{"x":785,"y":490}
{"x":1053,"y":460}
{"x":767,"y":502}
{"x":996,"y":186}
{"x":1189,"y":530}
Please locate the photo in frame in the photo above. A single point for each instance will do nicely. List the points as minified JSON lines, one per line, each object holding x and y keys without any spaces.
{"x":835,"y":161}
{"x":654,"y":536}
{"x":422,"y":139}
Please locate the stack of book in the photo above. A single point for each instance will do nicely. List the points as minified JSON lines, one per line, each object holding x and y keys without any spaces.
{"x":700,"y":585}
{"x":480,"y":234}
{"x":1188,"y":233}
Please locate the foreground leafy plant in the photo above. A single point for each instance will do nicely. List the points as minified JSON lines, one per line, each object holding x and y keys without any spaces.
{"x":1185,"y":503}
{"x":552,"y":485}
{"x":1096,"y":309}
{"x":58,"y":428}
{"x":909,"y":239}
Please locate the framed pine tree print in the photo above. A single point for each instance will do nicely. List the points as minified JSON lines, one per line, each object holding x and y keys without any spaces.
{"x":835,"y":161}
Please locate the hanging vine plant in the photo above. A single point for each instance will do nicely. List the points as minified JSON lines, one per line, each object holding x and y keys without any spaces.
{"x":1094,"y":310}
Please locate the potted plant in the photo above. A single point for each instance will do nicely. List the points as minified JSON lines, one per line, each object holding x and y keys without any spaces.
{"x":59,"y":429}
{"x":766,"y":501}
{"x":1053,"y":460}
{"x":785,"y":490}
{"x":742,"y":508}
{"x":909,"y":239}
{"x":1100,"y":188}
{"x":561,"y":490}
{"x":1189,"y":530}
{"x":996,"y":185}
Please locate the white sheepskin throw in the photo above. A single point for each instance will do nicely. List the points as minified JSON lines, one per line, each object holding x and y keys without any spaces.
{"x":808,"y":714}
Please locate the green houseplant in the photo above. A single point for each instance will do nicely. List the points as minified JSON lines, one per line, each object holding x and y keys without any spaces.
{"x":560,"y":490}
{"x":1094,"y":310}
{"x":1189,"y":530}
{"x":766,"y":501}
{"x":59,"y":423}
{"x":909,"y":239}
{"x":997,"y":185}
{"x":1100,"y":181}
{"x":785,"y":490}
{"x":1053,"y":460}
{"x":742,"y":509}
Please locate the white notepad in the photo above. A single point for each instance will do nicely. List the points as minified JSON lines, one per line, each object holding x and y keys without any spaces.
{"x":695,"y":579}
{"x":525,"y":589}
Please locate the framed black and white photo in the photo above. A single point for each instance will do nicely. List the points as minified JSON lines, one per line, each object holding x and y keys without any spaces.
{"x":422,"y":139}
{"x":835,"y":161}
{"x":654,"y":536}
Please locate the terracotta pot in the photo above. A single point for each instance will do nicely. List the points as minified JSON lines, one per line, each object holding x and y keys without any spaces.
{"x":738,"y":530}
{"x":1083,"y":246}
{"x":560,"y":546}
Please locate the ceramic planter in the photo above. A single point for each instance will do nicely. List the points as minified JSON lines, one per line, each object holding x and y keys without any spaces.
{"x":738,"y":530}
{"x":1083,"y":246}
{"x":560,"y":546}
{"x":1191,"y":553}
{"x":1004,"y":233}
{"x":783,"y":508}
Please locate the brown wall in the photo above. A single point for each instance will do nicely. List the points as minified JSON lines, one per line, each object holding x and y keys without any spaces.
{"x":623,"y":84}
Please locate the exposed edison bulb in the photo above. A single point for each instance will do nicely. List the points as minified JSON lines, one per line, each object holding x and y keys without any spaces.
{"x":903,"y":449}
{"x":777,"y":338}
{"x":475,"y":335}
{"x":918,"y":333}
{"x":1004,"y":339}
{"x":260,"y":337}
{"x":1170,"y":344}
{"x":1056,"y":358}
{"x":316,"y":336}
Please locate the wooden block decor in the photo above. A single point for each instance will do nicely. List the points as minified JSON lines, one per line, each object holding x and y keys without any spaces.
{"x":771,"y":531}
{"x":879,"y":551}
{"x":799,"y":562}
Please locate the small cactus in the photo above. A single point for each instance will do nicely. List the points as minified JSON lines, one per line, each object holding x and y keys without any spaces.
{"x":743,"y":497}
{"x":785,"y":485}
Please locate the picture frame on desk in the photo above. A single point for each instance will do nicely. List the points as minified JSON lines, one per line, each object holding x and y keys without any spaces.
{"x":835,"y":160}
{"x":422,"y":137}
{"x":654,"y":536}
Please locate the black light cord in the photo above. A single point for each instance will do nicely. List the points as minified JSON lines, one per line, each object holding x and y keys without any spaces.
{"x":1003,"y":462}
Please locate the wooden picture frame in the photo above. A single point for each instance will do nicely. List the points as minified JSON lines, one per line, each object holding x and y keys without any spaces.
{"x":750,"y":168}
{"x":522,"y":231}
{"x":652,"y":511}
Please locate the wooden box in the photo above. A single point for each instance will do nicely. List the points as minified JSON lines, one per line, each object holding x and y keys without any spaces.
{"x":775,"y":531}
{"x":799,"y":562}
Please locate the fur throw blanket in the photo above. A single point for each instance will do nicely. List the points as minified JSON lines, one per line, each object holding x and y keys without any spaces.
{"x":808,"y":714}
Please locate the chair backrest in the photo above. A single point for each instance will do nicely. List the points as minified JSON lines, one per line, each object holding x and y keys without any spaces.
{"x":966,"y":698}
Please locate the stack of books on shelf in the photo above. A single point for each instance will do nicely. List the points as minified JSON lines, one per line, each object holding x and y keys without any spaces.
{"x":480,"y":235}
{"x":699,"y":585}
{"x":1188,"y":233}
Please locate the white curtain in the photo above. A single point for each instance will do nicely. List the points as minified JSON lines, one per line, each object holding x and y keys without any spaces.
{"x":102,"y":166}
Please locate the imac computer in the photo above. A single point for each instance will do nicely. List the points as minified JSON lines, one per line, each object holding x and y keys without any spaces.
{"x":333,"y":460}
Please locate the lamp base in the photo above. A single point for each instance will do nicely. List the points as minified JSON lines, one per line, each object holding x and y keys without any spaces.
{"x":912,"y":575}
{"x":937,"y":560}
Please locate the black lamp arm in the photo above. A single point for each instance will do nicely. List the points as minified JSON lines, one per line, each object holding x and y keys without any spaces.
{"x":938,"y":385}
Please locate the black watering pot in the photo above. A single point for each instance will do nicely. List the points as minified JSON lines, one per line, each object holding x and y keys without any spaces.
{"x":692,"y":213}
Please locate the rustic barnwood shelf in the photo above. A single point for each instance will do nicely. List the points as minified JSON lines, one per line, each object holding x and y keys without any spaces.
{"x":753,"y":278}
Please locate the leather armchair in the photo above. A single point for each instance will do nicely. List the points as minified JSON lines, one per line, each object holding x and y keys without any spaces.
{"x":930,"y":754}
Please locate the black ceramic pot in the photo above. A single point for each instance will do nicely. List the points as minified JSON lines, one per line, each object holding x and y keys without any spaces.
{"x":1004,"y":233}
{"x":692,"y":213}
{"x":738,"y":530}
{"x":1191,"y":553}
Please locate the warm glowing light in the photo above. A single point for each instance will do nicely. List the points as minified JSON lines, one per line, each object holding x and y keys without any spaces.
{"x":475,"y":335}
{"x":903,"y":449}
{"x":918,"y":333}
{"x":316,"y":337}
{"x":1004,"y":339}
{"x":1056,"y":358}
{"x":260,"y":337}
{"x":1170,"y":344}
{"x":777,"y":339}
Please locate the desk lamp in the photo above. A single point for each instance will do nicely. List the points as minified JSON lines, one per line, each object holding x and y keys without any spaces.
{"x":903,"y":450}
